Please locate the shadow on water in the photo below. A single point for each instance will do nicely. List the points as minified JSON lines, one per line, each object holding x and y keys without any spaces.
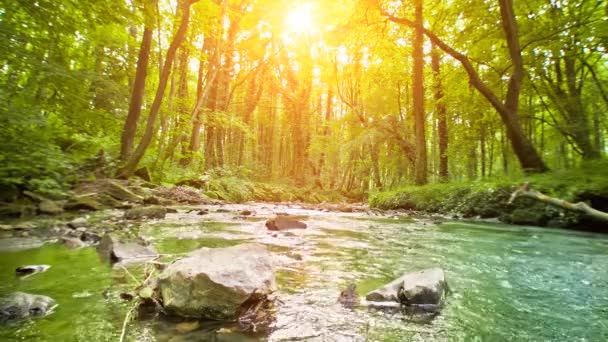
{"x":508,"y":283}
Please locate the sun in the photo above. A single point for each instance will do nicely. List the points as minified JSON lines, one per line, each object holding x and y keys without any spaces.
{"x":300,"y":19}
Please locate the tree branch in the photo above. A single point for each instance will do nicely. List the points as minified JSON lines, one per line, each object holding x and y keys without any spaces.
{"x":580,"y":207}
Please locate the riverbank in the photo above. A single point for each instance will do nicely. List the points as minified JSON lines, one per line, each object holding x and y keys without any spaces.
{"x":490,"y":199}
{"x":486,"y":199}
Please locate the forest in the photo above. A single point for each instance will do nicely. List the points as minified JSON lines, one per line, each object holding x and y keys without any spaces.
{"x":351,"y":96}
{"x":273,"y":170}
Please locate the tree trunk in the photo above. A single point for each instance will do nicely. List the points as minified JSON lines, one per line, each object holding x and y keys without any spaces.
{"x":202,"y":95}
{"x":137,"y":95}
{"x":133,"y":161}
{"x":418,"y":93}
{"x":442,"y":125}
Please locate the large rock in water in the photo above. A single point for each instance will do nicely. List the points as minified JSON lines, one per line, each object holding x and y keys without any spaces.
{"x":215,"y":283}
{"x":423,"y":287}
{"x":20,"y":305}
{"x":122,"y":253}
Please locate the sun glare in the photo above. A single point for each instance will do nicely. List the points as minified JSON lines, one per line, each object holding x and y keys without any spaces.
{"x":300,"y":19}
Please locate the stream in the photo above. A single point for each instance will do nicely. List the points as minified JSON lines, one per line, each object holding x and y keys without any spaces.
{"x":507,"y":282}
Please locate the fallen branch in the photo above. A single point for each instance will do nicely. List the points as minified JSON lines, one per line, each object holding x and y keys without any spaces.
{"x":580,"y":207}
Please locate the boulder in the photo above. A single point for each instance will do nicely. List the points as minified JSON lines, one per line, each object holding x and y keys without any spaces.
{"x":417,"y":288}
{"x":108,"y":190}
{"x":281,"y":222}
{"x":83,"y":202}
{"x":196,"y":182}
{"x":153,"y":212}
{"x":216,"y":283}
{"x":20,"y":305}
{"x":120,"y":192}
{"x":50,"y":207}
{"x":122,"y":253}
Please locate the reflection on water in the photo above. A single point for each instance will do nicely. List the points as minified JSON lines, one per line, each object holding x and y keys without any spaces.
{"x":509,"y":283}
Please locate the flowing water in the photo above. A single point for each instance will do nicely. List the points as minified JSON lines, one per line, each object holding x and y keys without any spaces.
{"x":507,"y":282}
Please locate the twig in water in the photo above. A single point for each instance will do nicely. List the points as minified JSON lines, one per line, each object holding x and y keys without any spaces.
{"x":130,"y":274}
{"x":123,"y":334}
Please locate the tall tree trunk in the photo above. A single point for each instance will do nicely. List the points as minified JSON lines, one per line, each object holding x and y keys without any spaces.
{"x":374,"y":155}
{"x":442,"y":125}
{"x":252,"y":99}
{"x":203,"y":98}
{"x":137,"y":95}
{"x":418,"y":93}
{"x":131,"y":165}
{"x":326,"y":129}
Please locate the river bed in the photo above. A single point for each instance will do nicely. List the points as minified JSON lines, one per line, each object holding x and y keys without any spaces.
{"x":507,"y":282}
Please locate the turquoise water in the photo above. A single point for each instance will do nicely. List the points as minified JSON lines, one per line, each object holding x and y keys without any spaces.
{"x":508,"y":283}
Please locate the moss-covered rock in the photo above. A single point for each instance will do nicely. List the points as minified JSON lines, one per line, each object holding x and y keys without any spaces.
{"x":117,"y":189}
{"x":48,"y":207}
{"x":153,"y":212}
{"x":83,"y":202}
{"x":528,"y":217}
{"x":20,"y":208}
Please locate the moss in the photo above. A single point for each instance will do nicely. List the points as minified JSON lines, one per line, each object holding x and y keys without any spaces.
{"x":490,"y":198}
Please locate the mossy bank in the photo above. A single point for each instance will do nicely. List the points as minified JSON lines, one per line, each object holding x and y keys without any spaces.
{"x":490,"y":199}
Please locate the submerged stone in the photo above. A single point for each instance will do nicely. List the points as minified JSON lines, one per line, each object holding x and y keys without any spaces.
{"x":281,"y":222}
{"x":215,"y":283}
{"x":72,"y":243}
{"x":112,"y":250}
{"x":417,"y":288}
{"x":19,"y":243}
{"x":348,"y":297}
{"x":20,"y":305}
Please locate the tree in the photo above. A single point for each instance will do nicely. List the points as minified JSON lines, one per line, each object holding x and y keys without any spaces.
{"x":137,"y":95}
{"x":418,"y":93}
{"x":133,"y":161}
{"x":440,"y":110}
{"x":527,"y":155}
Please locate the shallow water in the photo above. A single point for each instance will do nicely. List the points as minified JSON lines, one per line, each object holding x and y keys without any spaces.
{"x":508,"y":283}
